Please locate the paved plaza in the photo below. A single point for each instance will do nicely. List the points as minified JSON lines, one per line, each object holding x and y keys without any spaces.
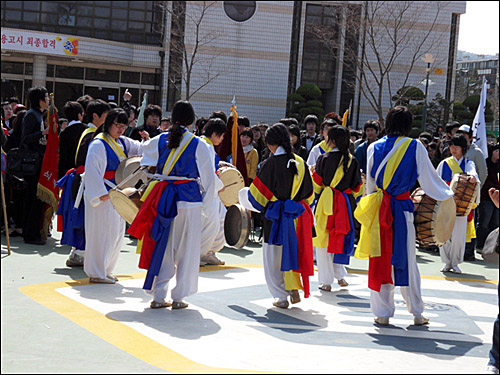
{"x":54,"y":321}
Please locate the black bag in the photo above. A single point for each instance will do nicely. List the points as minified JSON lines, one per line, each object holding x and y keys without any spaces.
{"x":16,"y":183}
{"x":22,"y":162}
{"x":490,"y":248}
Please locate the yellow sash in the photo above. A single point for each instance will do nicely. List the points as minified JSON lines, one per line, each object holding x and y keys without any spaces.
{"x":324,"y":207}
{"x":87,"y":131}
{"x":453,"y":164}
{"x":367,"y":211}
{"x":114,"y":146}
{"x":207,"y":140}
{"x":177,"y":154}
{"x":292,"y":278}
{"x":324,"y":146}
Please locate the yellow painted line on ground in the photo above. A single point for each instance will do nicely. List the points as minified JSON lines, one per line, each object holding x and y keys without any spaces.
{"x":117,"y":333}
{"x":362,"y":272}
{"x":128,"y":339}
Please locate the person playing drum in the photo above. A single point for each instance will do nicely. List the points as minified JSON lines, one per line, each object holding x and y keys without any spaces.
{"x":394,"y":164}
{"x":339,"y":270}
{"x":214,"y":213}
{"x":104,"y":227}
{"x":169,"y":221}
{"x":336,"y":175}
{"x":452,"y":252}
{"x":280,"y":190}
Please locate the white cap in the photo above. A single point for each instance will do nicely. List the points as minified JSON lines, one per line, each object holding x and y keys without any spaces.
{"x":464,"y":128}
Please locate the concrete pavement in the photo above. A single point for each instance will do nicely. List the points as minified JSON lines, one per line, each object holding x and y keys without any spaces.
{"x":53,"y":321}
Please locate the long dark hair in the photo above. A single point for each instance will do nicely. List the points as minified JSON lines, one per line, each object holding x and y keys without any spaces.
{"x":340,"y":135}
{"x":278,"y":135}
{"x":182,"y":115}
{"x":116,"y":114}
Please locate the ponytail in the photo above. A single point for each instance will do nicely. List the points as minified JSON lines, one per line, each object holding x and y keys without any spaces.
{"x":278,"y":135}
{"x":182,"y":115}
{"x":175,"y":136}
{"x":340,"y":135}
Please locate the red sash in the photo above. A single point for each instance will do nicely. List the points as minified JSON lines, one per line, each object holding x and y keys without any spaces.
{"x":380,"y":268}
{"x":338,"y":223}
{"x":305,"y":223}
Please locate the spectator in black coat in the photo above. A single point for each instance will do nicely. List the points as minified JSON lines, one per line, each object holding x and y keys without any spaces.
{"x":297,"y":147}
{"x":33,"y":138}
{"x":152,"y":116}
{"x":69,"y":137}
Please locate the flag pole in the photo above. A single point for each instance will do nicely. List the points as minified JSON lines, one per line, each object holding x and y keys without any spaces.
{"x":4,"y":208}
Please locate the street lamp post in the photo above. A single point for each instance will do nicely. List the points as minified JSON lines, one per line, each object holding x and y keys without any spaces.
{"x":429,"y":59}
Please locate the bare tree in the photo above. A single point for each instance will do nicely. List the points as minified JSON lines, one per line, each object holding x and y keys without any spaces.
{"x":392,"y":42}
{"x":192,"y":57}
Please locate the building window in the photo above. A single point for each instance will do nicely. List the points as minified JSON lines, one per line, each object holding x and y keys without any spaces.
{"x":240,"y":11}
{"x":131,"y":21}
{"x":320,"y":62}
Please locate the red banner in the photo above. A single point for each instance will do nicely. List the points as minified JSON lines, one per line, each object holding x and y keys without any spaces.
{"x":48,"y":191}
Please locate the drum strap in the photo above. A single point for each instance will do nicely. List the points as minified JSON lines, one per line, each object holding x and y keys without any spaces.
{"x":454,"y":166}
{"x":87,"y":131}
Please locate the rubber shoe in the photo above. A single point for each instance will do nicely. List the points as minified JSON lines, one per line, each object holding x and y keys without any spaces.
{"x":491,"y":369}
{"x":294,"y":296}
{"x":382,"y":321}
{"x":74,"y":260}
{"x":179,"y":305}
{"x":420,"y":320}
{"x":343,"y":283}
{"x":211,"y":259}
{"x":159,"y":305}
{"x":281,"y":303}
{"x":98,"y":280}
{"x":325,"y":287}
{"x":456,"y":270}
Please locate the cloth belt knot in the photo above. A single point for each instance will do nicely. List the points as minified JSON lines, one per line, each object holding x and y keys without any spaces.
{"x":338,"y":224}
{"x":283,"y":233}
{"x":166,"y":211}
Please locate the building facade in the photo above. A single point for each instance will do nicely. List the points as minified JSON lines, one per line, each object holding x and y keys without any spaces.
{"x":257,"y":52}
{"x":470,"y":73}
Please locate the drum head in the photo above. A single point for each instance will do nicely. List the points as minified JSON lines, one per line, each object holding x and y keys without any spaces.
{"x":127,"y":168}
{"x":237,"y":226}
{"x":125,"y":207}
{"x":444,"y":220}
{"x":233,"y":182}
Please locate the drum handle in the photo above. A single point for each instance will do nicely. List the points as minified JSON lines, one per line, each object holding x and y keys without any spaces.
{"x":118,"y":187}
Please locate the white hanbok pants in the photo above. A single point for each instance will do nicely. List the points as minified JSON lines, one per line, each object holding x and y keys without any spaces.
{"x":327,"y":270}
{"x":452,"y":252}
{"x":382,"y":303}
{"x":104,"y":230}
{"x":181,"y":258}
{"x":212,"y":229}
{"x":275,"y":278}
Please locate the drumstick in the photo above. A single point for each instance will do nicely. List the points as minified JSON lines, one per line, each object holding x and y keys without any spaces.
{"x":234,"y":183}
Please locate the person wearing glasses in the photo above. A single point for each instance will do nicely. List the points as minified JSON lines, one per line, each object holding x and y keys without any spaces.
{"x":104,"y":227}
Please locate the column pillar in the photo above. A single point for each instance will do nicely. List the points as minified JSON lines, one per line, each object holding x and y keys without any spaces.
{"x":39,"y":70}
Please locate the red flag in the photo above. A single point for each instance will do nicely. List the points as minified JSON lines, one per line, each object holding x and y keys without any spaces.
{"x":48,"y":191}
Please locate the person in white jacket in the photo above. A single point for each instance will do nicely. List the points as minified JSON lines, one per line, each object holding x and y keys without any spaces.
{"x":452,"y":252}
{"x":104,"y":227}
{"x":214,"y":211}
